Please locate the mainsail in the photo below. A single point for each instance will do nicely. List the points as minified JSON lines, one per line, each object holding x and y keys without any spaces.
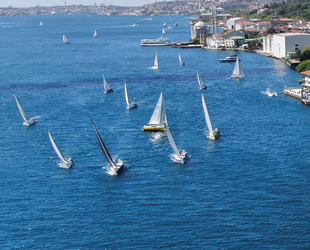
{"x":156,"y":61}
{"x":172,"y":143}
{"x":180,"y":59}
{"x":129,"y":101}
{"x":103,"y":147}
{"x":238,"y":72}
{"x":105,"y":85}
{"x":57,"y":150}
{"x":201,"y":84}
{"x":208,"y":120}
{"x":159,"y":113}
{"x":22,"y":112}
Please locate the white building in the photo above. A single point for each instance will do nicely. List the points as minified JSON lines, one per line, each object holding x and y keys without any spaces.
{"x":268,"y":44}
{"x":287,"y":43}
{"x":231,"y":23}
{"x":199,"y":29}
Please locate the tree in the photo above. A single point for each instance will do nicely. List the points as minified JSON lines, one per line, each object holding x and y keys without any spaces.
{"x":305,"y":54}
{"x":303,"y":66}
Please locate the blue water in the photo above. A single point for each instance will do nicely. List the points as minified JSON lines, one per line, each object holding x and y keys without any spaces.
{"x":247,"y":190}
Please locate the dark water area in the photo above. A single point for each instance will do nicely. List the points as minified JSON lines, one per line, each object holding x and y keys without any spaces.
{"x":249,"y":189}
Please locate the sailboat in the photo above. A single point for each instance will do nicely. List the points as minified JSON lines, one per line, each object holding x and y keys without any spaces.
{"x":213,"y":134}
{"x":119,"y":166}
{"x":41,"y":23}
{"x":238,"y":72}
{"x":164,"y":32}
{"x":157,"y":121}
{"x":64,"y":38}
{"x":27,"y":121}
{"x":95,"y":34}
{"x":67,"y":163}
{"x":155,"y":66}
{"x":178,"y":157}
{"x":181,"y":62}
{"x":107,"y":89}
{"x":130,"y":103}
{"x":201,"y":84}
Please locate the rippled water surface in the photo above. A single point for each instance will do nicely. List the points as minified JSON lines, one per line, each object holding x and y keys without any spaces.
{"x":247,"y":190}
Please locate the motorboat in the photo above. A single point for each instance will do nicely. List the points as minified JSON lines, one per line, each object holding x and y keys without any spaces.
{"x":231,"y":58}
{"x":156,"y":42}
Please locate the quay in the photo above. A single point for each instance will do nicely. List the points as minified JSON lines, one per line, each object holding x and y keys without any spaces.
{"x":293,"y":92}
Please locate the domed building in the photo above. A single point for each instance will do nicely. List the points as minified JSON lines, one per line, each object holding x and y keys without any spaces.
{"x":199,"y":30}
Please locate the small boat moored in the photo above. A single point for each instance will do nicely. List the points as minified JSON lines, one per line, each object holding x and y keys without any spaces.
{"x":231,"y":58}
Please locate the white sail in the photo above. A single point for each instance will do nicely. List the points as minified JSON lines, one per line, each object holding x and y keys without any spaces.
{"x":107,"y":88}
{"x":21,"y":110}
{"x":180,"y":59}
{"x":208,"y":120}
{"x":129,"y":101}
{"x":155,"y":66}
{"x":67,"y":162}
{"x":95,"y":34}
{"x":172,"y":143}
{"x":164,"y":32}
{"x":58,"y":152}
{"x":41,"y":23}
{"x":159,"y":115}
{"x":64,"y":38}
{"x":238,"y":72}
{"x":201,"y":84}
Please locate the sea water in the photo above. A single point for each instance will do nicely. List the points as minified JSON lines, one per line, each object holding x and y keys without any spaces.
{"x":249,"y":189}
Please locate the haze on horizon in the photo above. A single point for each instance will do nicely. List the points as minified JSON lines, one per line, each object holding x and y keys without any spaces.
{"x":33,"y":3}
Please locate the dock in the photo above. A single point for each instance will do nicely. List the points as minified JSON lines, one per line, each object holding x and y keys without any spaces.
{"x":293,"y":92}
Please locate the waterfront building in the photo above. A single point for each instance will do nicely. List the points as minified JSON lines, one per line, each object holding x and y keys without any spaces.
{"x":199,"y":30}
{"x":305,"y":92}
{"x":268,"y":44}
{"x":231,"y":23}
{"x":285,"y":44}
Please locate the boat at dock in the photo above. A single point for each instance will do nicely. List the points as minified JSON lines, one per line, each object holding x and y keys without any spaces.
{"x":231,"y":58}
{"x":156,"y":42}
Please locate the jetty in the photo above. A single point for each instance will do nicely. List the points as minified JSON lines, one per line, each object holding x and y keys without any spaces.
{"x":293,"y":92}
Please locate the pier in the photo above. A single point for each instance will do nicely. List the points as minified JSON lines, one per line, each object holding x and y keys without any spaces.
{"x":293,"y":92}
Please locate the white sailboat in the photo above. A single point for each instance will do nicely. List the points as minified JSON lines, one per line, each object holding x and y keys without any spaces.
{"x":27,"y":121}
{"x":95,"y":34}
{"x":178,"y":157}
{"x":157,"y":121}
{"x":213,"y":134}
{"x":107,"y":89}
{"x":155,"y":66}
{"x":201,"y":84}
{"x":119,"y":166}
{"x":130,"y":103}
{"x":181,"y":62}
{"x":64,"y":38}
{"x":164,"y":32}
{"x":66,"y":163}
{"x":238,"y":72}
{"x":41,"y":23}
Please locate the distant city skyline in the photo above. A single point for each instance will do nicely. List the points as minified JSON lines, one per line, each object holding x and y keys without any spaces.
{"x":33,"y":3}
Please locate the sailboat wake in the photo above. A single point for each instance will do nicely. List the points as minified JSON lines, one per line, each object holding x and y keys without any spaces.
{"x":269,"y":92}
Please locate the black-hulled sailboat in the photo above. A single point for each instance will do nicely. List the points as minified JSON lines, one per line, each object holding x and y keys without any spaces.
{"x":119,"y":166}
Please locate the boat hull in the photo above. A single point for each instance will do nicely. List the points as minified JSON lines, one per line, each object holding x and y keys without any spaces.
{"x":119,"y":167}
{"x":132,"y":106}
{"x":30,"y":122}
{"x":109,"y":91}
{"x":216,"y":134}
{"x":154,"y":128}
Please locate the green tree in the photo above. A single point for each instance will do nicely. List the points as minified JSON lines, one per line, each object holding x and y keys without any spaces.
{"x":303,"y":66}
{"x":305,"y":54}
